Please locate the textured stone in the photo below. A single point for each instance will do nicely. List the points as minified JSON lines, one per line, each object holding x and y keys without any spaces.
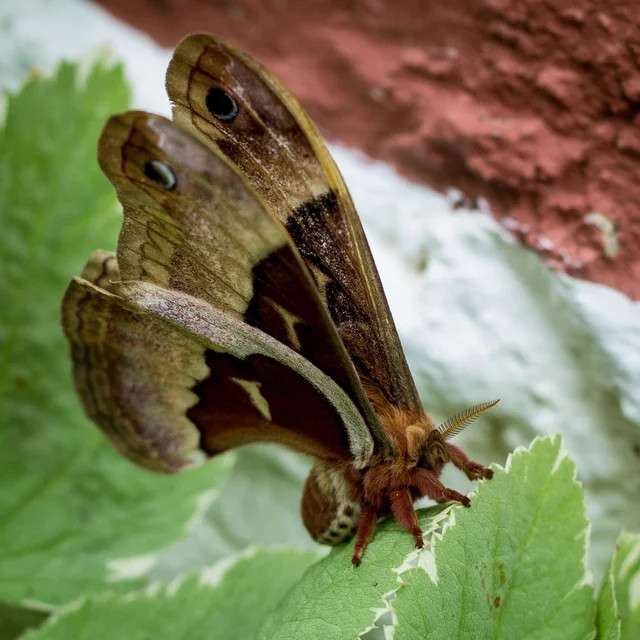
{"x":517,"y":101}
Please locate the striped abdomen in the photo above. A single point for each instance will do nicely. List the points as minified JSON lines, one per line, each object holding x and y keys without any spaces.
{"x":328,"y":512}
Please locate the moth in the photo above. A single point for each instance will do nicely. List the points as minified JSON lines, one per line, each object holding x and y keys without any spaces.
{"x":243,"y":305}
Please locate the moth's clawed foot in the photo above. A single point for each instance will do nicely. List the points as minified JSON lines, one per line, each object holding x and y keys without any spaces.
{"x":417,"y":536}
{"x":356,"y":558}
{"x":459,"y":497}
{"x":475,"y":471}
{"x":471,"y":469}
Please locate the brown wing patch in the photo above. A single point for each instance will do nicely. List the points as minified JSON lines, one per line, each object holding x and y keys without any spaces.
{"x":286,"y":306}
{"x":259,"y":399}
{"x":311,"y":233}
{"x":264,"y":376}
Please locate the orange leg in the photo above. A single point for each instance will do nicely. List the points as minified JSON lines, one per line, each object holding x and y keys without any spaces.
{"x":366,"y":525}
{"x":431,"y":487}
{"x":473,"y":470}
{"x":405,"y":514}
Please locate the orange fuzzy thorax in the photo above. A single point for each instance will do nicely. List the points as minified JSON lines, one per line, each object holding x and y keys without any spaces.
{"x":389,"y":485}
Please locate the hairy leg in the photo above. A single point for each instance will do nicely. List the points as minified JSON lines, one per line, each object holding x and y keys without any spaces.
{"x":473,"y":470}
{"x":431,"y":487}
{"x":405,"y":514}
{"x":366,"y":525}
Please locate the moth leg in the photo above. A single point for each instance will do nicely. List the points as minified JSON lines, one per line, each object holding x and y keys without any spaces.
{"x":404,"y":512}
{"x":473,"y":470}
{"x":366,"y":525}
{"x":431,"y":487}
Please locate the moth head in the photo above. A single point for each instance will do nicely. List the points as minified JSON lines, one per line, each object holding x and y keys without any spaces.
{"x":426,"y":448}
{"x":434,"y":451}
{"x":430,"y":450}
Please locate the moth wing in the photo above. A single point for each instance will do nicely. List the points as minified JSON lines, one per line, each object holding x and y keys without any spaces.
{"x":230,"y":102}
{"x":193,"y":224}
{"x":171,"y":380}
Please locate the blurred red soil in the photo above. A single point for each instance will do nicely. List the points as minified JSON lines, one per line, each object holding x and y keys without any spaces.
{"x":529,"y":104}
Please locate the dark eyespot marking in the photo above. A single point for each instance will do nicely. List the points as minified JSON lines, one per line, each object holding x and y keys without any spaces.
{"x":221,"y":105}
{"x":343,"y":525}
{"x":161,"y":173}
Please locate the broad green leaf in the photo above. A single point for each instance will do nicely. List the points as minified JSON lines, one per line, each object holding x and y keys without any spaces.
{"x":512,"y":566}
{"x":619,"y":600}
{"x":229,"y":604}
{"x":71,"y":510}
{"x":607,"y":610}
{"x":259,"y":505}
{"x":336,"y":599}
{"x":15,"y":619}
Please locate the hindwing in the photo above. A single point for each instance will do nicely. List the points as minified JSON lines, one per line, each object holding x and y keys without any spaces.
{"x":170,"y":379}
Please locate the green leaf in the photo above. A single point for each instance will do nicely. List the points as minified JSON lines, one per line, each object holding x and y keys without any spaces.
{"x":71,"y":510}
{"x":230,"y":604}
{"x":512,"y":566}
{"x":259,"y":505}
{"x":619,"y":599}
{"x":15,"y":619}
{"x":336,"y":599}
{"x":627,"y":576}
{"x":607,"y":611}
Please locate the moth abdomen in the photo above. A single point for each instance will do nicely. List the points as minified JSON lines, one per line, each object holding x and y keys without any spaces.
{"x":328,"y":512}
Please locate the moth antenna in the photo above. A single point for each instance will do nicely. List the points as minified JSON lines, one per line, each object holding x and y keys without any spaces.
{"x":455,"y":424}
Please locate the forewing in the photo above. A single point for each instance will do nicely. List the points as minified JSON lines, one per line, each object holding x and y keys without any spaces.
{"x":233,"y":104}
{"x":171,"y":380}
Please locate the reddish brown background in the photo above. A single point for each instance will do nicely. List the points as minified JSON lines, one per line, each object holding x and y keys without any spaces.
{"x":533,"y":105}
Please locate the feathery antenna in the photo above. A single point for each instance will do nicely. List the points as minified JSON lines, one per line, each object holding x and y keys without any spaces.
{"x":459,"y":421}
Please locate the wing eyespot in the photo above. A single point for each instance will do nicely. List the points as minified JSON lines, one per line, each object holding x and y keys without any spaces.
{"x":221,"y":105}
{"x":161,"y":173}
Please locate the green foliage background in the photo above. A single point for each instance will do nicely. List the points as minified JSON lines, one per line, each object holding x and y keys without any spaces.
{"x":91,"y":547}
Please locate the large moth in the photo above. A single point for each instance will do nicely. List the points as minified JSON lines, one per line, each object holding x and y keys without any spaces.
{"x":243,"y":304}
